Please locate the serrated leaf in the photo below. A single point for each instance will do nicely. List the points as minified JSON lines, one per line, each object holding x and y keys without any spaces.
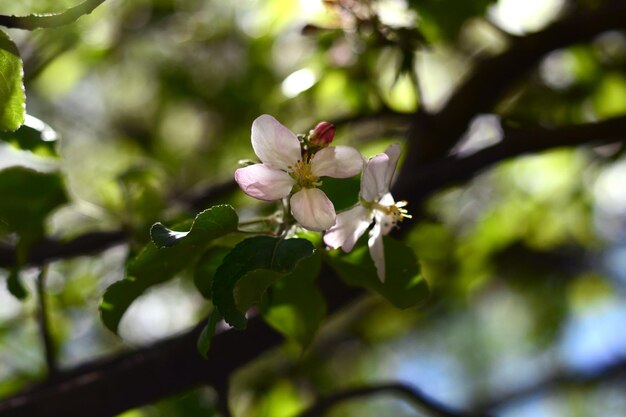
{"x":15,"y":285}
{"x":295,"y":306}
{"x":162,"y":237}
{"x":267,"y":259}
{"x":404,"y":286}
{"x":34,"y":135}
{"x":12,"y":97}
{"x":154,"y":266}
{"x":28,"y":197}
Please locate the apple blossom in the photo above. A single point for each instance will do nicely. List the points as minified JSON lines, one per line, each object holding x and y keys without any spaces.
{"x":287,"y":168}
{"x":375,"y":205}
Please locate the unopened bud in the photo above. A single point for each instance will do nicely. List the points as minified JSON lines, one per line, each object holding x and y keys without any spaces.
{"x":323,"y":134}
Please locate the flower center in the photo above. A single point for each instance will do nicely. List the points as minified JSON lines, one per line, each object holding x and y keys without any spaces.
{"x":303,"y":174}
{"x":397,"y":211}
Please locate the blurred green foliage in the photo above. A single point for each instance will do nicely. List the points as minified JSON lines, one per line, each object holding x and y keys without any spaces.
{"x":153,"y":101}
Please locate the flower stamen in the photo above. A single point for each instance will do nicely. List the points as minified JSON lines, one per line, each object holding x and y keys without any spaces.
{"x":303,"y":174}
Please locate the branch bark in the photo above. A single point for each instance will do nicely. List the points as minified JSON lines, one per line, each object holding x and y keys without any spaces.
{"x":111,"y":385}
{"x":37,"y":21}
{"x":416,"y":186}
{"x":432,"y":137}
{"x":413,"y":395}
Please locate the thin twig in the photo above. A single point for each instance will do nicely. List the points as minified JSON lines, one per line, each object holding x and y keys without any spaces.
{"x":36,"y":21}
{"x":412,"y":394}
{"x":44,"y":325}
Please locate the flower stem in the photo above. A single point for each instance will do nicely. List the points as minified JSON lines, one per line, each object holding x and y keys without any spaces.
{"x":44,"y":326}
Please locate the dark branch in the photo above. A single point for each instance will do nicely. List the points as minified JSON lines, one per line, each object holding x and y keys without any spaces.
{"x":32,"y":22}
{"x":132,"y":379}
{"x":108,"y":386}
{"x":51,"y":250}
{"x":433,"y":137}
{"x":419,"y":184}
{"x":562,"y":380}
{"x":415,"y":396}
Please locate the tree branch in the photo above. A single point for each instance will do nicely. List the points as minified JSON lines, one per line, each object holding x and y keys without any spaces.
{"x":432,"y":137}
{"x":415,"y":396}
{"x":613,"y":371}
{"x":108,"y":386}
{"x":51,"y":250}
{"x":37,"y":21}
{"x":421,"y":183}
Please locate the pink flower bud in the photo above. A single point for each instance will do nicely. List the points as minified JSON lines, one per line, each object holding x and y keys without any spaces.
{"x":323,"y":134}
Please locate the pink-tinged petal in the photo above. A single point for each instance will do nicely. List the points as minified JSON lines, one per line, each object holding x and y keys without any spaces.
{"x":337,"y":162}
{"x":373,"y":184}
{"x":348,"y":228}
{"x":377,"y":250}
{"x":313,"y":210}
{"x":265,"y":183}
{"x":393,"y":152}
{"x":274,"y":144}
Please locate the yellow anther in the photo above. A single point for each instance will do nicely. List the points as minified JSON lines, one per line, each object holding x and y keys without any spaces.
{"x":303,"y":174}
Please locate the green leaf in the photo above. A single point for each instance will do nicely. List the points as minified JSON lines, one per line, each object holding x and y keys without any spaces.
{"x":404,"y":286}
{"x":206,"y":336}
{"x":28,"y":197}
{"x":343,"y":192}
{"x":34,"y":135}
{"x":162,"y":237}
{"x":15,"y":285}
{"x":12,"y":97}
{"x":266,"y":259}
{"x":295,"y":306}
{"x":205,"y":269}
{"x":154,"y":266}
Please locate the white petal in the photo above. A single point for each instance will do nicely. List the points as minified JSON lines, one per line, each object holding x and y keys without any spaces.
{"x":385,"y":221}
{"x":274,"y":144}
{"x":373,"y":181}
{"x":377,"y":250}
{"x":337,"y":162}
{"x":265,"y":183}
{"x":312,"y":209}
{"x":348,"y":228}
{"x":387,"y":200}
{"x":393,"y":152}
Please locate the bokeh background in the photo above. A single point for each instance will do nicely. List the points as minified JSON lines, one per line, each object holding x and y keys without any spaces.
{"x":153,"y":102}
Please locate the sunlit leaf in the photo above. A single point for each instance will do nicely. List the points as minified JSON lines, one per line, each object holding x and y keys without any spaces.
{"x":404,"y":286}
{"x":154,"y":266}
{"x":267,"y":259}
{"x":12,"y":97}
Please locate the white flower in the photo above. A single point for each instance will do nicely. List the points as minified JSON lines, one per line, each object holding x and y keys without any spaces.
{"x":284,"y":169}
{"x":375,"y":205}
